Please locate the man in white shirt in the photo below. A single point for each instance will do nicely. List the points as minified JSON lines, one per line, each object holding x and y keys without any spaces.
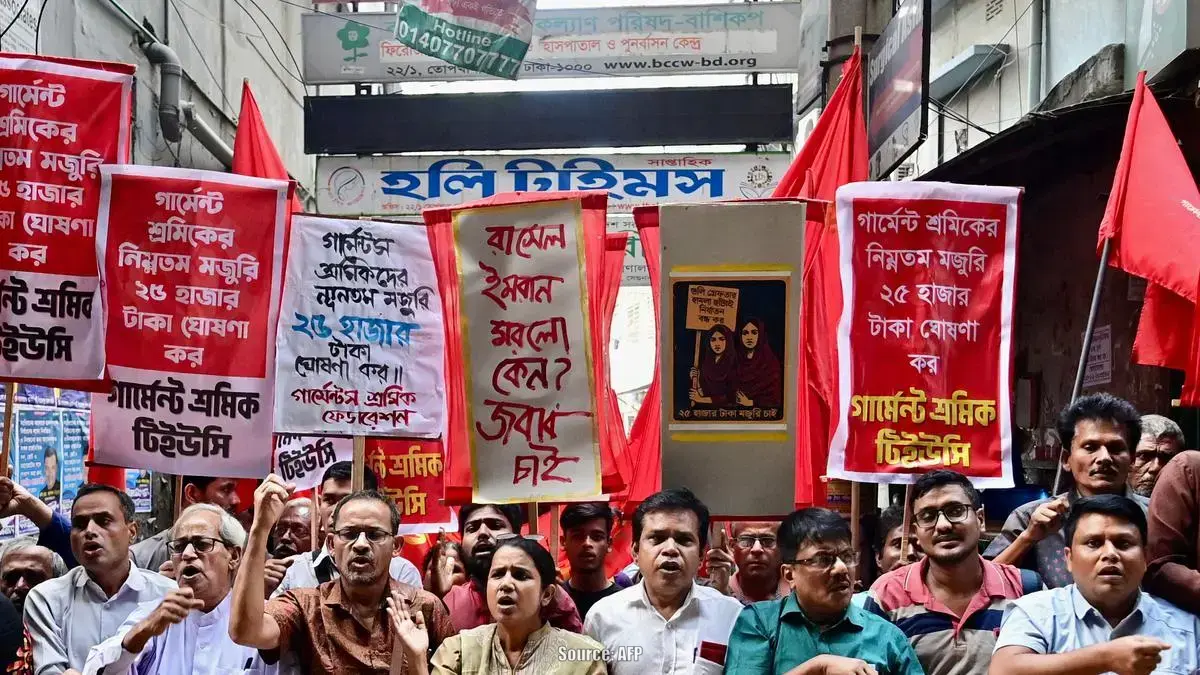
{"x":309,"y":570}
{"x":69,"y":615}
{"x":152,"y":552}
{"x":187,"y":632}
{"x":666,"y":623}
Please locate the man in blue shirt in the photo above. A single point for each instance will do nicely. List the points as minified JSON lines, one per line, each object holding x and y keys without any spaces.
{"x":1103,"y":622}
{"x":814,"y":629}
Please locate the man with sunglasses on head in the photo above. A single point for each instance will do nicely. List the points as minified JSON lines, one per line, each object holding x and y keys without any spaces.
{"x":482,"y":527}
{"x":950,"y":604}
{"x":815,"y":630}
{"x":187,"y":632}
{"x":342,"y":626}
{"x":69,"y":615}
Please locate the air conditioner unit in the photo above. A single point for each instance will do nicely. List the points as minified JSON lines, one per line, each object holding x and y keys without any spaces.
{"x":805,"y":126}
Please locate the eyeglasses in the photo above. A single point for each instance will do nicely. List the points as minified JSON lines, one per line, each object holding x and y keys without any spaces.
{"x":955,"y":513}
{"x":31,"y":577}
{"x":373,"y":534}
{"x":198,"y":544}
{"x":747,"y":540}
{"x":826,"y":561}
{"x":508,"y":536}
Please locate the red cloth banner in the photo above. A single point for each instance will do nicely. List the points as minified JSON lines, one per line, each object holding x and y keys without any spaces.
{"x":411,"y":472}
{"x":928,"y":281}
{"x":191,"y":269}
{"x":509,"y":398}
{"x":60,"y":119}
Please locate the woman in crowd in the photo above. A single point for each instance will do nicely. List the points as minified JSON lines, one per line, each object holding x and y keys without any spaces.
{"x":712,"y":382}
{"x":759,"y":377}
{"x":521,"y":582}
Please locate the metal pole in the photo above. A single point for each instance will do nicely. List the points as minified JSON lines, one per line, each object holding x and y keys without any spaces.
{"x":1087,"y":341}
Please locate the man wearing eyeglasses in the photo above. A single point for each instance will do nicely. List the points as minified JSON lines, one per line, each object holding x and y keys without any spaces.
{"x":187,"y":632}
{"x":815,"y":630}
{"x":342,"y":626}
{"x":23,"y":566}
{"x":951,"y":603}
{"x":756,"y":554}
{"x":69,"y":615}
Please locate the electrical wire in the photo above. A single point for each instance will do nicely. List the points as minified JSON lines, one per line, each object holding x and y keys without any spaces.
{"x":37,"y":28}
{"x":200,"y":53}
{"x":282,"y":39}
{"x":988,"y":55}
{"x":16,"y":16}
{"x":959,"y":117}
{"x":269,"y":47}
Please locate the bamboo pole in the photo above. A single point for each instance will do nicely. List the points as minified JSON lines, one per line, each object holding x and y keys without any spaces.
{"x":10,"y":396}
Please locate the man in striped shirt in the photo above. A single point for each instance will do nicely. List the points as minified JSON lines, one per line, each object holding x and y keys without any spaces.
{"x":951,"y":603}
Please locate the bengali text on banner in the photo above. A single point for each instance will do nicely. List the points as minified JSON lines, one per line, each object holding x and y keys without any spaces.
{"x":60,"y":119}
{"x":928,"y":276}
{"x":190,"y":262}
{"x":361,"y":340}
{"x":302,"y":460}
{"x":411,"y":472}
{"x":531,"y":405}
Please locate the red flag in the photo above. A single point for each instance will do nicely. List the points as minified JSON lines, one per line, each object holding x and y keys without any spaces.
{"x":835,"y":154}
{"x":1191,"y":383}
{"x":1153,"y":220}
{"x":253,"y":152}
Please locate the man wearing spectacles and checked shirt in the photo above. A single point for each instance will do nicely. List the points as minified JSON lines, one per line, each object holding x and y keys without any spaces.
{"x":342,"y":625}
{"x":815,"y":630}
{"x":950,"y":604}
{"x":187,"y":632}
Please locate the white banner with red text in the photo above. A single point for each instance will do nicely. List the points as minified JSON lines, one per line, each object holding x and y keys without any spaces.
{"x":302,"y":460}
{"x":60,"y":119}
{"x":360,"y":346}
{"x":190,"y":265}
{"x":925,"y":342}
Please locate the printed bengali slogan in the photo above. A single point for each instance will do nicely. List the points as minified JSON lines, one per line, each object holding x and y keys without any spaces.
{"x":59,"y":121}
{"x":928,"y":276}
{"x":302,"y":460}
{"x":361,"y":343}
{"x":410,"y":471}
{"x":529,"y":390}
{"x":191,"y":266}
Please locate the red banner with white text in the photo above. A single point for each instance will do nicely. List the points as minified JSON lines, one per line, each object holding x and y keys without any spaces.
{"x":191,"y":267}
{"x":60,"y":119}
{"x":411,"y":472}
{"x":928,"y":280}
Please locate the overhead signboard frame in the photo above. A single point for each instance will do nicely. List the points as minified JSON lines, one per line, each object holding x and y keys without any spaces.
{"x":898,"y":88}
{"x":341,"y":48}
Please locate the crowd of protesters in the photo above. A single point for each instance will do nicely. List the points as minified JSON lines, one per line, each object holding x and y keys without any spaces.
{"x":1102,"y":578}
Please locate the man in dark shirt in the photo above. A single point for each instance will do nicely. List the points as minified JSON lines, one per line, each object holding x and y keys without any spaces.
{"x":586,"y":536}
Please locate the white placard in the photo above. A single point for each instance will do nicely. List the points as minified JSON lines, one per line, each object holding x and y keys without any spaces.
{"x":1098,"y":371}
{"x":360,"y":340}
{"x":528,"y":364}
{"x":302,"y":460}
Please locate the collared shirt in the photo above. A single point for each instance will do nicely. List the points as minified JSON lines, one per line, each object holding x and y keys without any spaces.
{"x":307,"y":572}
{"x":69,"y":615}
{"x":318,"y":626}
{"x":548,"y":651}
{"x":735,"y":591}
{"x":1174,"y":546}
{"x":198,"y":645}
{"x":667,"y":646}
{"x":468,"y":609}
{"x":946,"y":644}
{"x":1062,"y":620}
{"x":1046,"y":557}
{"x":775,"y":637}
{"x":151,"y":552}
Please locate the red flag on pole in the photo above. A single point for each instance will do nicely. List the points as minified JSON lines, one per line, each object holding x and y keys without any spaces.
{"x":1153,"y":219}
{"x":835,"y":154}
{"x":253,"y":152}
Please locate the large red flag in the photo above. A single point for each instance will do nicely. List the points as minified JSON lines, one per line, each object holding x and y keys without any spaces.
{"x":835,"y":154}
{"x":253,"y":152}
{"x":1153,"y":220}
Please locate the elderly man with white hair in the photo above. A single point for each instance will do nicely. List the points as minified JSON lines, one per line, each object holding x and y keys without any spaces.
{"x":188,"y":631}
{"x":1161,"y":440}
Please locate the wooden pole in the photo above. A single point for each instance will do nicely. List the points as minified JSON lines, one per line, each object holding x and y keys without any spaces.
{"x":360,"y":463}
{"x":906,"y":527}
{"x":858,"y":36}
{"x":178,"y":497}
{"x":532,"y":517}
{"x":855,"y":516}
{"x":10,"y":396}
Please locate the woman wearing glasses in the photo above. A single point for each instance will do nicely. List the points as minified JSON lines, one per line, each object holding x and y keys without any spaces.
{"x":520,"y":583}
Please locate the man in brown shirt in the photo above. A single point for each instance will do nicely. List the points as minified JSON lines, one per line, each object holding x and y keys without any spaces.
{"x":1174,"y":546}
{"x":341,"y":626}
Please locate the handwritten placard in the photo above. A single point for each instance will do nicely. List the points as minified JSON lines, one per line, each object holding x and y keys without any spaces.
{"x":59,"y":121}
{"x":710,"y":306}
{"x":190,"y":262}
{"x":361,"y":340}
{"x":529,"y":391}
